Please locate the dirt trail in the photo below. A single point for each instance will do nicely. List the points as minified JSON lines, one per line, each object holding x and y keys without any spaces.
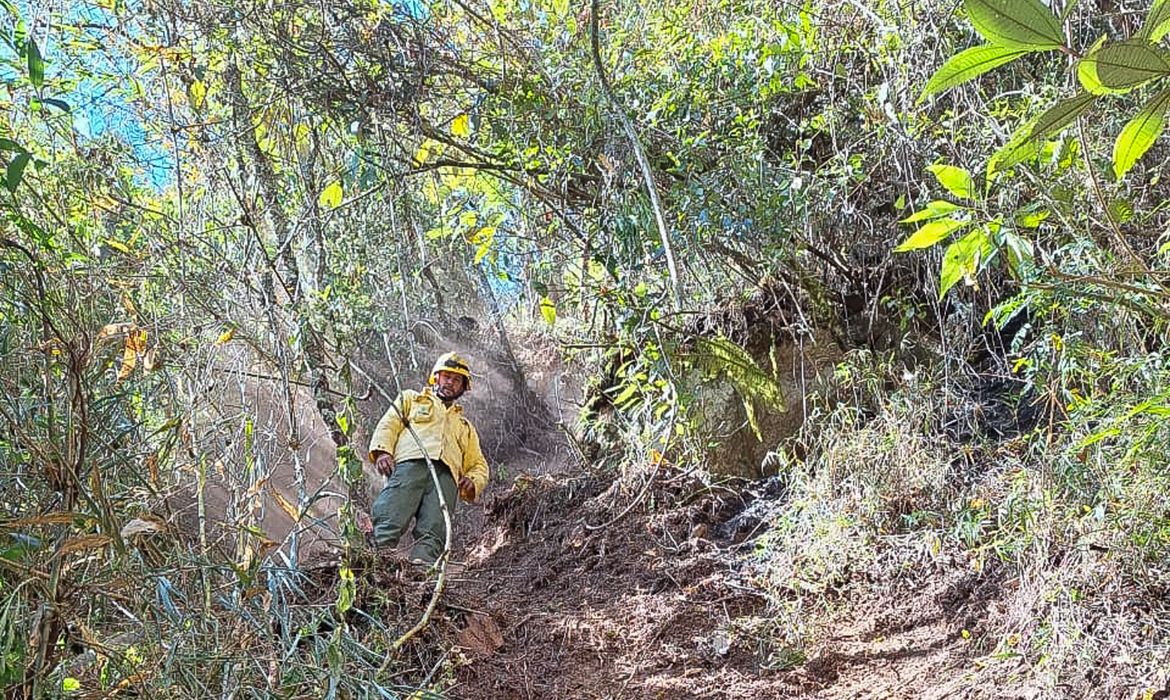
{"x":567,"y":606}
{"x":562,"y":599}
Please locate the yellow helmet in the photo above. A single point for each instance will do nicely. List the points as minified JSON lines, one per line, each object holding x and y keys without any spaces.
{"x":452,"y":362}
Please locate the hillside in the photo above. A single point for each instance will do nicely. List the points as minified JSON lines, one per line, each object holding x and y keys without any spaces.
{"x":817,"y":349}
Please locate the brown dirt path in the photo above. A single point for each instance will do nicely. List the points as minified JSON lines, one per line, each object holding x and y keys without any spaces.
{"x":651,"y":606}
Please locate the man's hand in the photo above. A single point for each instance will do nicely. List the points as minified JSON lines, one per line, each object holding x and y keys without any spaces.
{"x":384,"y":464}
{"x":466,"y":489}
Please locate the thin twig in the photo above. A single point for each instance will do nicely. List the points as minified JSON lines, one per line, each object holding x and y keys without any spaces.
{"x":643,"y":163}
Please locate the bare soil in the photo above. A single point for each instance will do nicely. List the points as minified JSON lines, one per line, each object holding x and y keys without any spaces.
{"x":560,"y":599}
{"x":576,"y":584}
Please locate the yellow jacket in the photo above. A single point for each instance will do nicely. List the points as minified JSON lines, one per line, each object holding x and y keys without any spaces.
{"x":446,"y":435}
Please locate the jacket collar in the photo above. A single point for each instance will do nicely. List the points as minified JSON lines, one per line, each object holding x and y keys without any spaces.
{"x":451,"y":408}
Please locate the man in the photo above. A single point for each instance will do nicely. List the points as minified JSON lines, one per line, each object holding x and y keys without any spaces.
{"x":448,"y":439}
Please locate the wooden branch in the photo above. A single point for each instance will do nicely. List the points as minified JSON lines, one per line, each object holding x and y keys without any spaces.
{"x":643,"y":163}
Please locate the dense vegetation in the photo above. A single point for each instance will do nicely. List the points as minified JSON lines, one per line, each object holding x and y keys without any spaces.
{"x":220,"y":219}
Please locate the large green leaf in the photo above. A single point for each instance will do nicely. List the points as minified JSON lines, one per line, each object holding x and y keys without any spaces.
{"x":1016,"y":24}
{"x":36,"y":64}
{"x":1087,"y":71}
{"x":936,"y":209}
{"x":16,"y":171}
{"x":956,"y":180}
{"x":1157,"y":22}
{"x":930,"y":234}
{"x":1028,"y":138}
{"x":1140,"y":133}
{"x":1123,"y":65}
{"x":963,"y":259}
{"x":969,"y":64}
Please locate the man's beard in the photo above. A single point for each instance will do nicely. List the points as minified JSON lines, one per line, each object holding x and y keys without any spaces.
{"x":447,"y":395}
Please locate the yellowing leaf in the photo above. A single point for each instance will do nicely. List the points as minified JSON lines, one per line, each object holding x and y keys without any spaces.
{"x":197,"y":91}
{"x":461,"y":126}
{"x":287,"y":506}
{"x":424,"y":152}
{"x":118,"y":246}
{"x":548,"y":310}
{"x":137,"y":341}
{"x":957,"y":181}
{"x":331,"y":195}
{"x":934,"y":210}
{"x":301,"y":134}
{"x":484,"y":238}
{"x":113,"y":329}
{"x":930,"y":234}
{"x":82,"y":543}
{"x":129,"y":358}
{"x":226,"y":336}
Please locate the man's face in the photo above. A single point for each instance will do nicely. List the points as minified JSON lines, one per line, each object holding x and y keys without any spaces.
{"x":448,"y":385}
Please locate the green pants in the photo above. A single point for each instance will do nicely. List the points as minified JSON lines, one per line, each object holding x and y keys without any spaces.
{"x":410,"y":493}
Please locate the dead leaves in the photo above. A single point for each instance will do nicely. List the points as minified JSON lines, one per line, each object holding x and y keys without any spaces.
{"x":134,"y":347}
{"x":480,"y":638}
{"x":146,"y":525}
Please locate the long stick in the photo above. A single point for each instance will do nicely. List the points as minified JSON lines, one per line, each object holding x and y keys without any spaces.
{"x":441,"y":563}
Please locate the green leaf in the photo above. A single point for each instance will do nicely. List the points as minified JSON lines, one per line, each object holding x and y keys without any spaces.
{"x":70,"y":685}
{"x":930,"y":234}
{"x":631,"y":388}
{"x":963,"y":259}
{"x":331,"y":195}
{"x":1087,"y":71}
{"x":548,"y":310}
{"x":937,"y":208}
{"x":1027,"y":139}
{"x":722,"y":356}
{"x":347,"y":591}
{"x":484,"y":238}
{"x":1032,"y":219}
{"x":956,"y":180}
{"x":10,"y":145}
{"x":1123,"y":65}
{"x":968,"y":65}
{"x":36,"y":64}
{"x":16,"y":171}
{"x":1157,"y":22}
{"x":1121,"y":210}
{"x":1016,"y":24}
{"x":1140,"y":133}
{"x":59,"y":104}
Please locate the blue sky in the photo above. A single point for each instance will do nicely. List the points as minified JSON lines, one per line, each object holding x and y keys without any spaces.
{"x":95,"y":83}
